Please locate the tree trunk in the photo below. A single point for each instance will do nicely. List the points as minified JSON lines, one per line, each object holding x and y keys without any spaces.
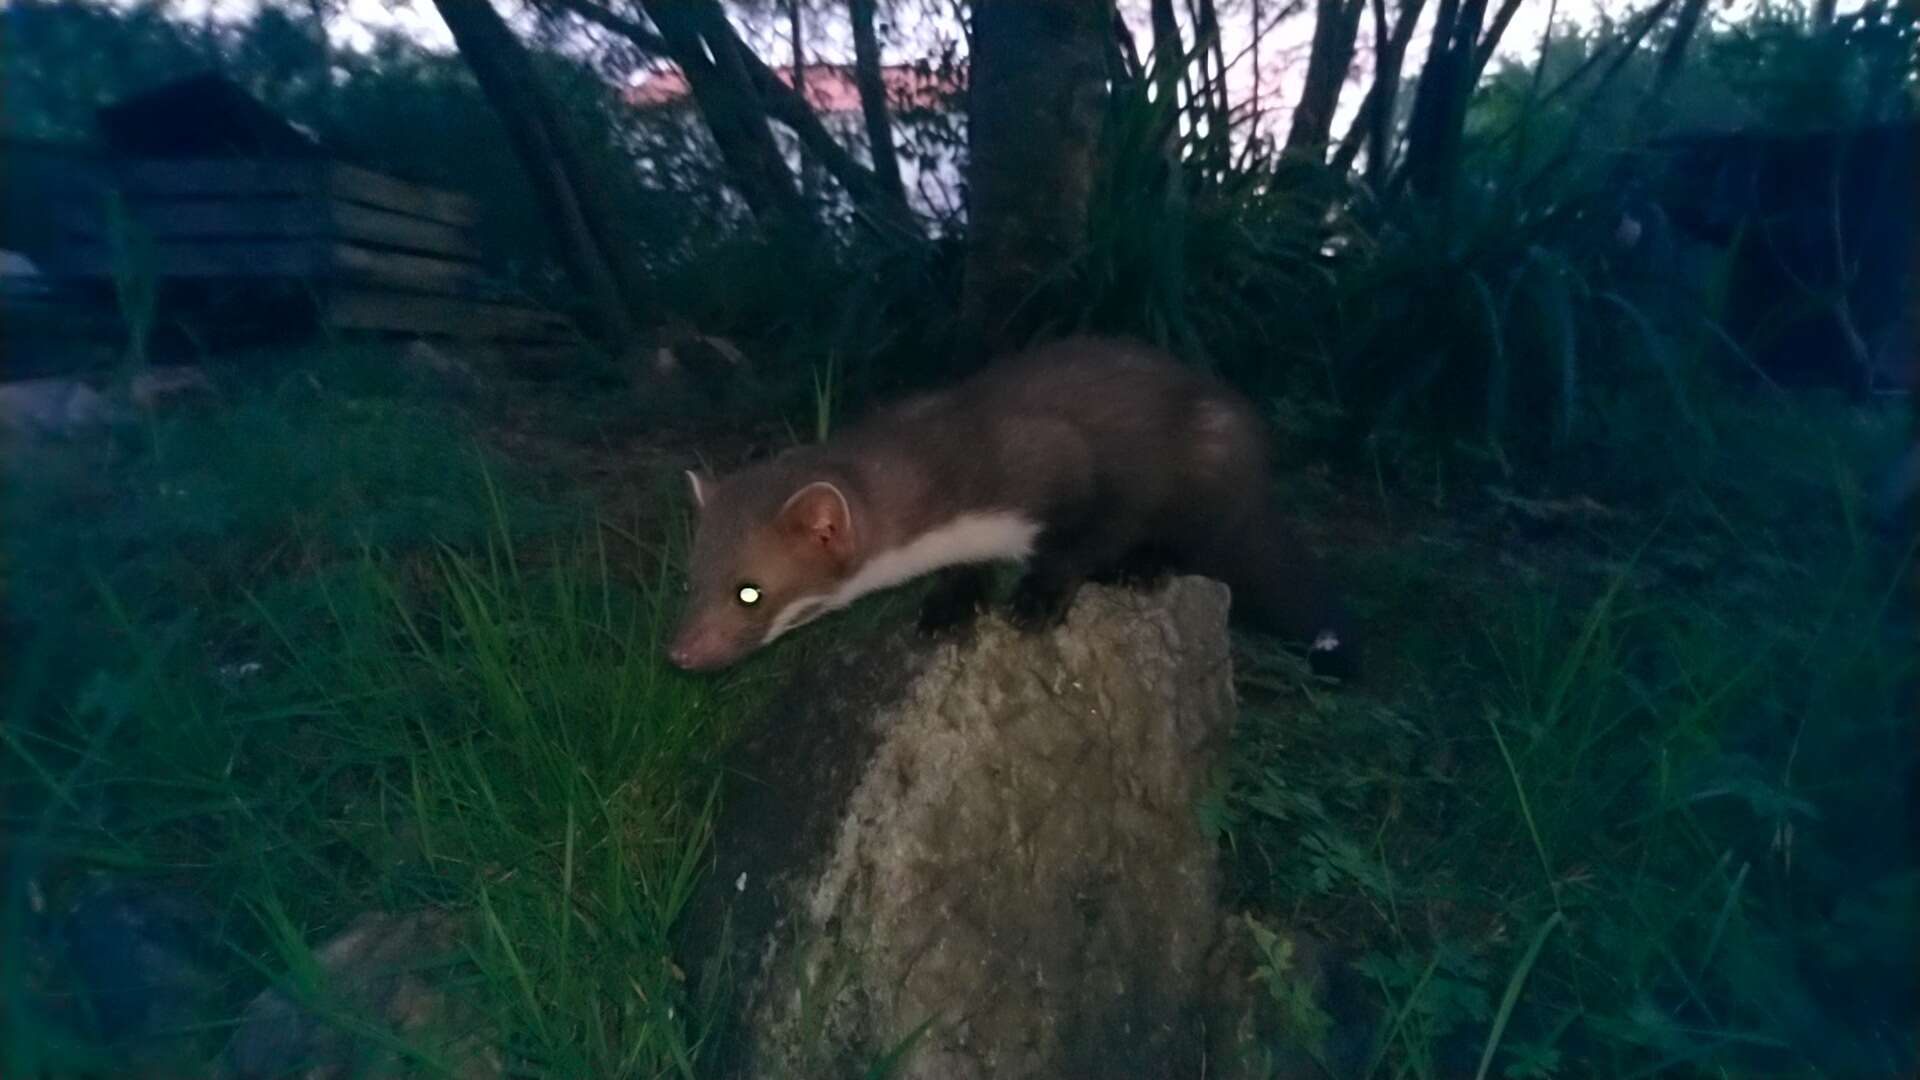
{"x":1259,"y":102}
{"x":1674,"y":53}
{"x":1483,"y":53}
{"x":780,"y":101}
{"x":1435,"y":135}
{"x":872,"y":81}
{"x":577,"y":210}
{"x":1167,"y":67}
{"x":319,"y":11}
{"x":1374,"y":125}
{"x":809,"y":189}
{"x":1124,"y":59}
{"x":1037,"y":86}
{"x":1169,"y":53}
{"x":702,"y":44}
{"x":1423,"y":132}
{"x":1336,"y":25}
{"x":1219,"y":141}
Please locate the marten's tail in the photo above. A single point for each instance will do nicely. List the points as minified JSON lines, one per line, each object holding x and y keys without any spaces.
{"x":1280,"y":588}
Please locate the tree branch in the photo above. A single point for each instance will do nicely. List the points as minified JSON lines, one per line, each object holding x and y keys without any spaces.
{"x":641,"y":36}
{"x":1375,"y":120}
{"x":1335,"y":27}
{"x":1628,"y":44}
{"x":873,"y":100}
{"x":700,"y":42}
{"x":786,"y":105}
{"x":1490,"y":41}
{"x":578,"y":210}
{"x":782,"y":103}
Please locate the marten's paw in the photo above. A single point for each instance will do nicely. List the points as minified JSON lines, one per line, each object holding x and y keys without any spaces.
{"x":944,"y":615}
{"x":954,"y":603}
{"x":1038,"y":605}
{"x":1332,"y":656}
{"x":1141,"y":573}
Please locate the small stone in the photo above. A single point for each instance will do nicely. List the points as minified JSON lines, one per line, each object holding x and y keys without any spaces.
{"x":382,"y":969}
{"x":143,"y":957}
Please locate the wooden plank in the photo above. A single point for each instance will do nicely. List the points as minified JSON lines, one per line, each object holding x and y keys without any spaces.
{"x":376,"y":310}
{"x":220,"y":176}
{"x":268,"y":218}
{"x":207,"y":259}
{"x":211,"y":177}
{"x":298,"y":258}
{"x":274,"y":218}
{"x":418,"y":273}
{"x":390,"y":193}
{"x":295,"y":258}
{"x":280,"y":258}
{"x":59,"y":316}
{"x":368,"y":225}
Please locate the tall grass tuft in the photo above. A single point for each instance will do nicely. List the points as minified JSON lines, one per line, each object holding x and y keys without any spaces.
{"x":1613,"y":814}
{"x":485,"y":732}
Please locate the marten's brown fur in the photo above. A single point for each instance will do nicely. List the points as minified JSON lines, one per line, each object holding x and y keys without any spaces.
{"x":1087,"y":459}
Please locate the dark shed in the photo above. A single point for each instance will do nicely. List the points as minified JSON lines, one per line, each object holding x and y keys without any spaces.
{"x":253,"y":229}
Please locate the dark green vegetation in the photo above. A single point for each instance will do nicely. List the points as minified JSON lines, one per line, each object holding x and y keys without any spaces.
{"x":1641,"y":786}
{"x":345,"y":656}
{"x":1630,"y":790}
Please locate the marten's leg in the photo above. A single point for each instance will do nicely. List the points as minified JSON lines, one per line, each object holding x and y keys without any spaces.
{"x":958,"y":596}
{"x":1064,"y":559}
{"x":1145,"y":567}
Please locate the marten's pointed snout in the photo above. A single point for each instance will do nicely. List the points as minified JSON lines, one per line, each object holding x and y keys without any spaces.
{"x":697,"y":649}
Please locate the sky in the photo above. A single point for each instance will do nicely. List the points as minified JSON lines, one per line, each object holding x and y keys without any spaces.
{"x":1284,"y":48}
{"x":356,"y":27}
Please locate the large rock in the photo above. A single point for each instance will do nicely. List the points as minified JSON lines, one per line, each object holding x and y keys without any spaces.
{"x":997,"y":839}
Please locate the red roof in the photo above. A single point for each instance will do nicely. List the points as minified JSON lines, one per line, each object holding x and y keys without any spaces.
{"x":830,"y":88}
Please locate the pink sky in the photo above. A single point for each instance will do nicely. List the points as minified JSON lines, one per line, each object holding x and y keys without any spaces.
{"x":1283,"y":50}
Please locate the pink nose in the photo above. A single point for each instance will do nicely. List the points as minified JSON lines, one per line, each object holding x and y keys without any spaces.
{"x":693,"y":651}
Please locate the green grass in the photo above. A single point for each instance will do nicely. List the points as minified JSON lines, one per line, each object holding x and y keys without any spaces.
{"x":1624,"y":794}
{"x":289,"y":658}
{"x":504,"y":743}
{"x":1613,"y":802}
{"x":369,"y":667}
{"x":1621,"y":806}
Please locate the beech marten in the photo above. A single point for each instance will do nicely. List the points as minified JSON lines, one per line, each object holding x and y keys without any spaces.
{"x":1086,"y":459}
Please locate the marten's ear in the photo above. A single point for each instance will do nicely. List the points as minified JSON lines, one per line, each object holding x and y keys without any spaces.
{"x":820,"y":515}
{"x":699,"y":485}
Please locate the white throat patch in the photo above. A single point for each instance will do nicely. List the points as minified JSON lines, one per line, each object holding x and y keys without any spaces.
{"x":996,"y":536}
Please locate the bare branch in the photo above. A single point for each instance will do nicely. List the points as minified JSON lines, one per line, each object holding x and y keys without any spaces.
{"x":1491,"y":40}
{"x":1626,"y":44}
{"x":1374,"y":124}
{"x":786,"y":105}
{"x":1125,"y":49}
{"x":578,"y":210}
{"x":642,"y":37}
{"x":873,"y":100}
{"x":1675,"y":52}
{"x":1336,"y":24}
{"x":782,"y":102}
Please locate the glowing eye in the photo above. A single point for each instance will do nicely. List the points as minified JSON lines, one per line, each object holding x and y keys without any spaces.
{"x":749,"y":594}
